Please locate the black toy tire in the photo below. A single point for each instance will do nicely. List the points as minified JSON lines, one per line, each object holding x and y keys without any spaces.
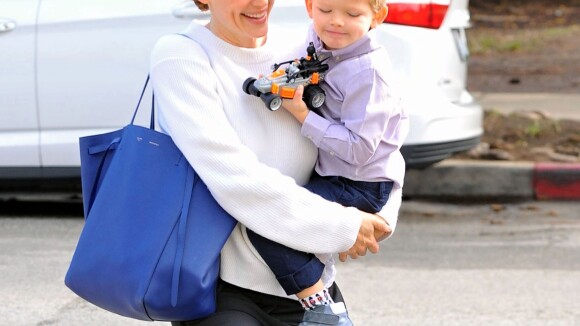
{"x":314,"y":97}
{"x":249,"y":88}
{"x":273,"y":101}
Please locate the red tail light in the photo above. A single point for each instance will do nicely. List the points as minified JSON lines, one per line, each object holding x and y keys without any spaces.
{"x":421,"y":13}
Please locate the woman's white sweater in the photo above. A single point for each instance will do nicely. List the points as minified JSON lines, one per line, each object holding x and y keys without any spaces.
{"x":252,"y":160}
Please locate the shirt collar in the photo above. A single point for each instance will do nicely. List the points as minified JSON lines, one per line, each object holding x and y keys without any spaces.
{"x":362,"y":46}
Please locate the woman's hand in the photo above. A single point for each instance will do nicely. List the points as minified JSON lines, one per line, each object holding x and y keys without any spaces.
{"x":372,"y":229}
{"x":296,"y":105}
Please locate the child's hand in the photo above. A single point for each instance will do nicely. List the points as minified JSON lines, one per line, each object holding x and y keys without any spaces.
{"x":296,"y":106}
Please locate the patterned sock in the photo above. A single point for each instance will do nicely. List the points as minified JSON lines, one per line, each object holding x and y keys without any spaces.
{"x":317,"y":299}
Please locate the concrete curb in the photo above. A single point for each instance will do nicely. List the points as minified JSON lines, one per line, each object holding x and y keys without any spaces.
{"x":498,"y":180}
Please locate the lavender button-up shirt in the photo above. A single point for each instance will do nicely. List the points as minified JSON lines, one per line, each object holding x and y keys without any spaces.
{"x":362,"y":124}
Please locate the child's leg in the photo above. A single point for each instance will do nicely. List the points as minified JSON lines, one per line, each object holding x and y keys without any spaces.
{"x":297,"y":272}
{"x":368,"y":197}
{"x":294,"y":270}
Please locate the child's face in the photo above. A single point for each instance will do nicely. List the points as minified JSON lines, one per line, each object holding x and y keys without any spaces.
{"x":340,"y":23}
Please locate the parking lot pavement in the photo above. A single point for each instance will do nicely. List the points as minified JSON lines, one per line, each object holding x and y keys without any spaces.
{"x":446,"y":264}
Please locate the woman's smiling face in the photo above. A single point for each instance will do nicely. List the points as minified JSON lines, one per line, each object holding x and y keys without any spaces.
{"x":240,"y":22}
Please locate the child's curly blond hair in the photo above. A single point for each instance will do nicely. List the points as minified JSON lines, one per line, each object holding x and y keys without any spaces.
{"x":377,"y":4}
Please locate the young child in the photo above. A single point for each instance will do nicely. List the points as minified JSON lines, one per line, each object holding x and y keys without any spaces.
{"x":359,"y":131}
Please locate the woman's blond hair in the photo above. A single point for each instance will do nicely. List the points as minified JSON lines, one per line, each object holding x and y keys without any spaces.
{"x":201,"y":6}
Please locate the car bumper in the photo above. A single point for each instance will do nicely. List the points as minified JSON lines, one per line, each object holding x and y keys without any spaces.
{"x":438,"y":130}
{"x":424,"y":155}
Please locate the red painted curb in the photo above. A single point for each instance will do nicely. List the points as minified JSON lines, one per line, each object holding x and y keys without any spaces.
{"x":557,"y":181}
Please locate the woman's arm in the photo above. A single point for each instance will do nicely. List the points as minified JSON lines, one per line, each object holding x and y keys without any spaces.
{"x":390,"y":212}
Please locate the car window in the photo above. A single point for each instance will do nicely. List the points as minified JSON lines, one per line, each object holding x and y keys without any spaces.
{"x":92,"y":60}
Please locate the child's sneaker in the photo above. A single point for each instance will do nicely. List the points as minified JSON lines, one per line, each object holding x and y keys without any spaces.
{"x":333,"y":314}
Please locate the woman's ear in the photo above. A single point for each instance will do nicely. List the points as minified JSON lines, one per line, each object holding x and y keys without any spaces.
{"x":380,"y":16}
{"x":309,"y":7}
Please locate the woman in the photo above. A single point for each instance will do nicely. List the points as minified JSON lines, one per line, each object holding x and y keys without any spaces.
{"x":252,"y":160}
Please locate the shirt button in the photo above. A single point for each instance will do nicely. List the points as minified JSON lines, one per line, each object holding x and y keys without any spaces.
{"x":337,"y":58}
{"x":332,"y":153}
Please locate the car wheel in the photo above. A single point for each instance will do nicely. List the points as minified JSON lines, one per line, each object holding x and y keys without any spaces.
{"x":314,"y":97}
{"x":249,"y":87}
{"x":273,"y":101}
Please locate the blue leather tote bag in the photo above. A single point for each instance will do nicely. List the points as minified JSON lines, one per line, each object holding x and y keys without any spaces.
{"x":152,"y":237}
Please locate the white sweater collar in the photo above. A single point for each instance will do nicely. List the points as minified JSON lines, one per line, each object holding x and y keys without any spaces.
{"x":214,"y":45}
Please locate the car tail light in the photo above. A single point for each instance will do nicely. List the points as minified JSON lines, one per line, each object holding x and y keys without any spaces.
{"x":421,"y":13}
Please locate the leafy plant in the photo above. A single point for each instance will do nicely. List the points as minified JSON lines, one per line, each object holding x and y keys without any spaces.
{"x":534,"y":129}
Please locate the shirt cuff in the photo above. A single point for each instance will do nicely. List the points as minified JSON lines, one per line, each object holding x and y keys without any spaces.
{"x":314,"y":128}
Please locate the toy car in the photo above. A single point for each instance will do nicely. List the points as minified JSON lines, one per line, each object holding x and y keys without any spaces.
{"x":282,"y":83}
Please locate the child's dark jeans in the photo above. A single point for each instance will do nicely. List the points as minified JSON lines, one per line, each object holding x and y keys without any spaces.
{"x":296,"y":270}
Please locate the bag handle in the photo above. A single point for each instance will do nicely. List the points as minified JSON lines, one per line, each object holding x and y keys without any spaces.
{"x":112,"y":145}
{"x":152,"y":120}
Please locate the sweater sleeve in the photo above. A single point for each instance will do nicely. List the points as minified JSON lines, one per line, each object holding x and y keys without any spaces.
{"x":258,"y":196}
{"x":390,"y":212}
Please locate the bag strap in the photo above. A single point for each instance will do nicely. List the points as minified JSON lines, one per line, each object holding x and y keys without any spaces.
{"x":189,"y":37}
{"x":190,"y":180}
{"x":179,"y":251}
{"x":152,"y":120}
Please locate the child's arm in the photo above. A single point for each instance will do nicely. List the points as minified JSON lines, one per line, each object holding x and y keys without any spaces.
{"x":367,"y":112}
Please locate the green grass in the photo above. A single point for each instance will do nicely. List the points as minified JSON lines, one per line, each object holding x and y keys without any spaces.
{"x":534,"y":129}
{"x":489,"y":41}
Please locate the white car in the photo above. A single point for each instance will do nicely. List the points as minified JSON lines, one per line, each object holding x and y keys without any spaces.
{"x":70,"y":68}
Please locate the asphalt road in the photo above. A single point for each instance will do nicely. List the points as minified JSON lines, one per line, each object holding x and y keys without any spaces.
{"x":517,"y":264}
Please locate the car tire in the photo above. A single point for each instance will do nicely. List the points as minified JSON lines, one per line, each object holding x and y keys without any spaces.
{"x":272,"y":101}
{"x":314,"y":97}
{"x":249,"y":87}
